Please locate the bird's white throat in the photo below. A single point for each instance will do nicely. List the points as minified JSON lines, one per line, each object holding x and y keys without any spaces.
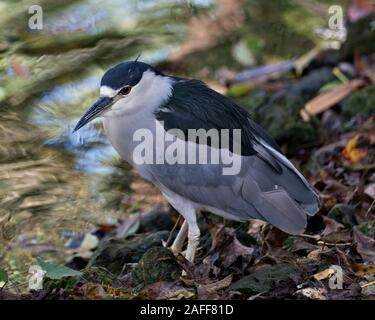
{"x":150,"y":92}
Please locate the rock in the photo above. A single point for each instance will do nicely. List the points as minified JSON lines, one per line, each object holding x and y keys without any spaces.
{"x":343,"y":214}
{"x":279,"y":115}
{"x":156,"y":220}
{"x":266,"y":278}
{"x":114,"y":254}
{"x":157,"y":264}
{"x":98,"y":275}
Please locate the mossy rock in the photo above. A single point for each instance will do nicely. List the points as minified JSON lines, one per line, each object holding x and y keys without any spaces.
{"x":265,"y":279}
{"x":157,"y":264}
{"x":361,"y":102}
{"x":114,"y":254}
{"x":98,"y":275}
{"x":343,"y":214}
{"x":156,"y":220}
{"x":91,"y":274}
{"x":67,"y":283}
{"x":281,"y":119}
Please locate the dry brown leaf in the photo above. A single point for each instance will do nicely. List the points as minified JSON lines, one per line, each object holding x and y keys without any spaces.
{"x":92,"y":290}
{"x":370,"y":190}
{"x":328,"y":99}
{"x":365,"y":246}
{"x":164,"y":290}
{"x":219,"y":285}
{"x":335,"y":232}
{"x":325,"y":274}
{"x":313,"y":293}
{"x":316,"y":254}
{"x":352,"y":153}
{"x":233,"y":251}
{"x":362,"y":269}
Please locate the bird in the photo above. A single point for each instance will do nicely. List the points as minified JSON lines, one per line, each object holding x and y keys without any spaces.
{"x":135,"y":97}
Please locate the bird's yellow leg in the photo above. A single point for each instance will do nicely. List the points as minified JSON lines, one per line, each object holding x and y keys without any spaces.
{"x":193,"y":240}
{"x":178,"y":243}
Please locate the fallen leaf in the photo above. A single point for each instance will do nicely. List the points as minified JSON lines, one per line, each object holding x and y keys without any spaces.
{"x":225,"y":242}
{"x":211,"y":291}
{"x":351,"y":293}
{"x":363,"y":269}
{"x":365,"y":246}
{"x":92,"y":291}
{"x":335,"y":232}
{"x":328,"y":99}
{"x":57,"y":271}
{"x":370,"y":190}
{"x":164,"y":290}
{"x":313,"y":293}
{"x":325,"y":274}
{"x":233,"y":251}
{"x":3,"y":278}
{"x":352,"y":153}
{"x":316,"y":254}
{"x":219,"y":285}
{"x":299,"y":245}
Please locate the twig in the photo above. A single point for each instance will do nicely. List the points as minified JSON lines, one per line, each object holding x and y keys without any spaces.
{"x":315,"y":237}
{"x":368,"y":284}
{"x":334,"y":244}
{"x":370,"y":207}
{"x":166,"y":243}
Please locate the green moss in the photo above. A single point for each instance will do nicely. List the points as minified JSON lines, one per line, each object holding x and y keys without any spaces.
{"x":361,"y":102}
{"x":157,"y":264}
{"x":280,"y":117}
{"x":116,"y":255}
{"x":66,"y":283}
{"x":264,"y":279}
{"x":98,"y":275}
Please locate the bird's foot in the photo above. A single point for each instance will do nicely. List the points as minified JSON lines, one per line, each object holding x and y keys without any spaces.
{"x":178,"y":243}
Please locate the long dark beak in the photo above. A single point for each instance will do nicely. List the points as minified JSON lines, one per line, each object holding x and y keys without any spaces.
{"x":100,"y":105}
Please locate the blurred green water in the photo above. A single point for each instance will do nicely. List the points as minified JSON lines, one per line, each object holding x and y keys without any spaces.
{"x":52,"y":181}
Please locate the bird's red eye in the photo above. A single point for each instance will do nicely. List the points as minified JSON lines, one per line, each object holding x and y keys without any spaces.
{"x":125,"y":90}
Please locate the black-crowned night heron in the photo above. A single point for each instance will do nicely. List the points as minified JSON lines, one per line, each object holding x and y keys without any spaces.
{"x":149,"y":118}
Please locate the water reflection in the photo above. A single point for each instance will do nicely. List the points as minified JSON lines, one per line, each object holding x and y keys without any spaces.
{"x":53,"y":182}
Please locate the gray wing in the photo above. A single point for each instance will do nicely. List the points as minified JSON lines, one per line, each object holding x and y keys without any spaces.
{"x":256,"y":192}
{"x":268,"y":187}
